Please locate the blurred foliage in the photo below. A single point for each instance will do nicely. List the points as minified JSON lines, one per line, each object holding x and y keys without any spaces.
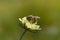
{"x":11,"y":10}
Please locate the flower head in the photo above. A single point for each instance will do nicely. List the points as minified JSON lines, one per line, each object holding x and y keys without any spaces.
{"x":30,"y":22}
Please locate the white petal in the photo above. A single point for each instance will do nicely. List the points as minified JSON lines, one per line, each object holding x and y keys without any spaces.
{"x":20,"y":19}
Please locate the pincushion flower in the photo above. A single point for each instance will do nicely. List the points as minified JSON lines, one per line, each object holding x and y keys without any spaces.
{"x":30,"y":22}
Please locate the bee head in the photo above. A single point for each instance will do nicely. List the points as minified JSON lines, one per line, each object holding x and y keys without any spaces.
{"x":32,"y":19}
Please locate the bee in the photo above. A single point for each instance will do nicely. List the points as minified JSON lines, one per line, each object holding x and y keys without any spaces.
{"x":32,"y":19}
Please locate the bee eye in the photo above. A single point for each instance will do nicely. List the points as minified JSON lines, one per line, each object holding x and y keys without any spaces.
{"x":29,"y":18}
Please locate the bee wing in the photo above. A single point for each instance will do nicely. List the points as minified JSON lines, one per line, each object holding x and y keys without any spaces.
{"x":37,"y":17}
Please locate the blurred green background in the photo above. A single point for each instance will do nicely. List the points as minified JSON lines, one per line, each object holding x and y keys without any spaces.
{"x":11,"y":10}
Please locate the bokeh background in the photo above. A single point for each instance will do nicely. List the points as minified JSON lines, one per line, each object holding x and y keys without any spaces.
{"x":48,"y":10}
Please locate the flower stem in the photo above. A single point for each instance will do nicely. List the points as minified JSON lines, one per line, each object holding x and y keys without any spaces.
{"x":23,"y":34}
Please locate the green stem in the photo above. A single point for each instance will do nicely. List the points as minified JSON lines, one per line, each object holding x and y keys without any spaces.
{"x":23,"y":34}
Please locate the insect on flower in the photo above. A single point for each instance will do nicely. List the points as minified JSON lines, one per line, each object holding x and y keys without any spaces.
{"x":30,"y":23}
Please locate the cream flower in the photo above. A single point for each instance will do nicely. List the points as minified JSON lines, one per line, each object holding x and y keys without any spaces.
{"x":29,"y":23}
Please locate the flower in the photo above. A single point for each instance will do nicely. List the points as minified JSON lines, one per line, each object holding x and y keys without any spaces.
{"x":30,"y":22}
